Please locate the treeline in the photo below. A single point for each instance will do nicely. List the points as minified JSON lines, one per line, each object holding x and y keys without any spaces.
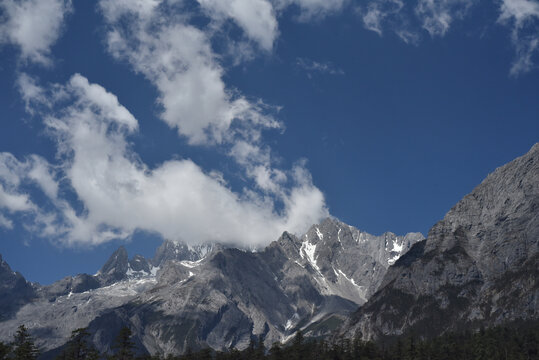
{"x":511,"y":342}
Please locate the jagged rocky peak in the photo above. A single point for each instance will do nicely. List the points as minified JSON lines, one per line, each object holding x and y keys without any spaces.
{"x":333,"y":236}
{"x":177,"y":250}
{"x":116,"y":266}
{"x":140,"y":263}
{"x":119,"y":267}
{"x":15,"y":291}
{"x":478,"y":267}
{"x":343,"y":259}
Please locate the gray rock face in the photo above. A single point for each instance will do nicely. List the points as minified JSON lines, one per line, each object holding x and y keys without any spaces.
{"x":15,"y":291}
{"x":478,"y":266}
{"x":115,"y":268}
{"x":76,"y":284}
{"x":179,"y":251}
{"x":197,"y":296}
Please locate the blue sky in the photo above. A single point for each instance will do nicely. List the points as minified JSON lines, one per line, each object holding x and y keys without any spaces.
{"x":126,"y":122}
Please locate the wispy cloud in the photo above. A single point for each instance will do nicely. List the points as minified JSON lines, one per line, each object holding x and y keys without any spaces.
{"x":437,"y":16}
{"x":33,"y":26}
{"x":311,"y":66}
{"x":523,"y":18}
{"x":376,"y":13}
{"x":433,"y":16}
{"x":408,"y":19}
{"x":312,"y":10}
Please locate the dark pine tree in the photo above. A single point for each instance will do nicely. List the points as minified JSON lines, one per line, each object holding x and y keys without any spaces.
{"x":260,"y":351}
{"x":23,"y":345}
{"x":276,"y":352}
{"x":298,"y":347}
{"x":5,"y":351}
{"x":78,"y":347}
{"x":123,"y":348}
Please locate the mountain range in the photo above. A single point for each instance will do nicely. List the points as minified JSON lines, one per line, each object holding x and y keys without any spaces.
{"x":477,"y":267}
{"x":209,"y":295}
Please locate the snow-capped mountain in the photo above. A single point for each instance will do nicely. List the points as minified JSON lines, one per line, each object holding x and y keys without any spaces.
{"x":194,"y":296}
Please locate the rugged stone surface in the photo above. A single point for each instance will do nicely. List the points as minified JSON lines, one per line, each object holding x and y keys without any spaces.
{"x":115,"y":268}
{"x":15,"y":291}
{"x":179,"y":251}
{"x":478,"y":267}
{"x":197,"y":296}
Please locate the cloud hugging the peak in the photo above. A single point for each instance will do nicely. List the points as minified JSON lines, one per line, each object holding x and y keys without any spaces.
{"x":98,"y":189}
{"x":120,"y":194}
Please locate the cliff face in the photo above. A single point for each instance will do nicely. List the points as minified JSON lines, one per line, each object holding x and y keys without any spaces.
{"x":479,"y":265}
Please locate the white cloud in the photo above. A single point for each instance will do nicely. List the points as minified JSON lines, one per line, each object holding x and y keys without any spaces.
{"x":97,"y":97}
{"x":177,"y":199}
{"x":33,"y":25}
{"x":523,"y":17}
{"x":256,"y":17}
{"x":5,"y":223}
{"x":14,"y":202}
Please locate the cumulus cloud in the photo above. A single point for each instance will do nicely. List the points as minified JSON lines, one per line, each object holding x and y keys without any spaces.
{"x":178,"y":59}
{"x":523,"y":17}
{"x":33,"y":26}
{"x":120,"y":194}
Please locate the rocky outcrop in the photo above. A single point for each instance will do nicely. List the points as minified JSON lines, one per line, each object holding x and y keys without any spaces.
{"x":478,"y":267}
